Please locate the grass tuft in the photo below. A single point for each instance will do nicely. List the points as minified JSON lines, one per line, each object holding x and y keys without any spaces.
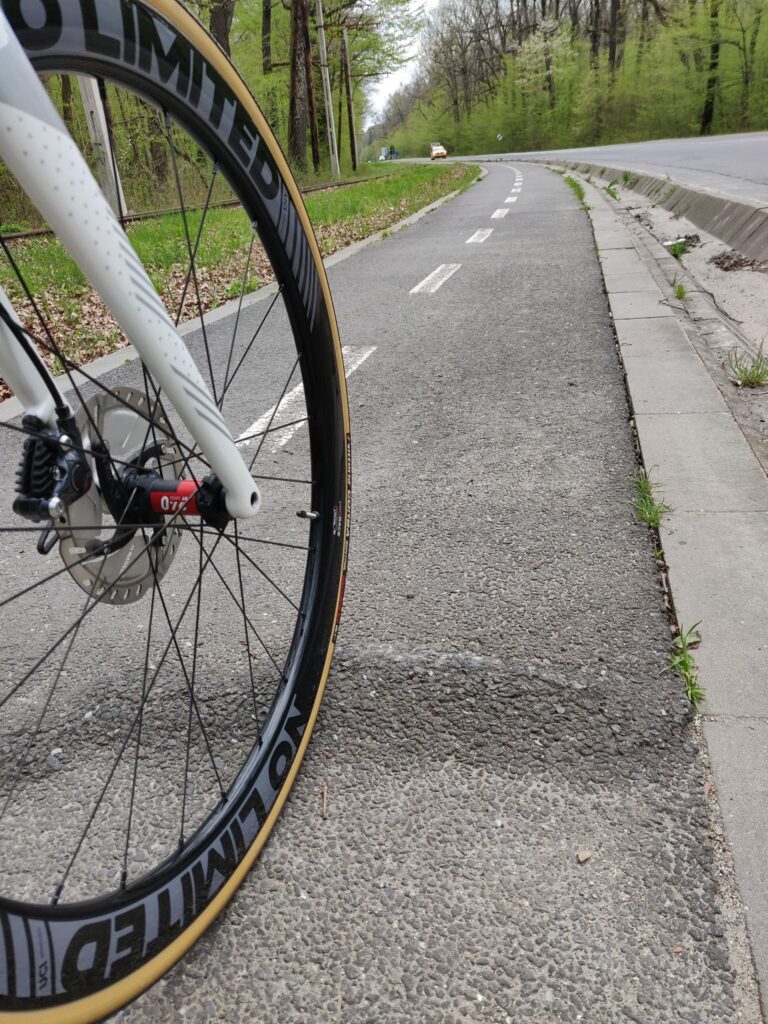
{"x":647,"y":509}
{"x":680,"y":661}
{"x":679,"y":287}
{"x":746,"y":371}
{"x":576,"y":186}
{"x":611,"y":192}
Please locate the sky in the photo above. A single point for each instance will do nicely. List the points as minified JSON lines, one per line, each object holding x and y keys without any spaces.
{"x":389,"y":83}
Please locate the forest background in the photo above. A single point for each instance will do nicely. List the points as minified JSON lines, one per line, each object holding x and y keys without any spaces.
{"x":540,"y":73}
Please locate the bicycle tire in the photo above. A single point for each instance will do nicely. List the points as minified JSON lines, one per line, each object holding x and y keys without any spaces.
{"x":78,"y":962}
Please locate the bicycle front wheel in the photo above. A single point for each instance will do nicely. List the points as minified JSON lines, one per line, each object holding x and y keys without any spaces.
{"x":156,"y":697}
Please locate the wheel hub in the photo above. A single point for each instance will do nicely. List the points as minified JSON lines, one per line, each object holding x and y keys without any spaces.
{"x":143,"y":550}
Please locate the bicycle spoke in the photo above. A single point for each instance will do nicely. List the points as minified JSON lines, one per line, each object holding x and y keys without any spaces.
{"x":183,"y":667}
{"x":88,"y":611}
{"x":245,"y":622}
{"x":185,"y":788}
{"x":228,"y":382}
{"x":242,"y":609}
{"x":266,"y":576}
{"x":192,"y":268}
{"x":46,"y":704}
{"x":126,"y":741}
{"x":193,"y":254}
{"x":124,"y":872}
{"x":54,"y":347}
{"x":270,"y":430}
{"x":239,"y":308}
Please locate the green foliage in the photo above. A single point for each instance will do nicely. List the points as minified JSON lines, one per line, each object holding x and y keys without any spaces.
{"x":647,"y":509}
{"x":575,"y":186}
{"x":678,"y":249}
{"x":681,"y":662}
{"x":611,"y":191}
{"x":747,"y":371}
{"x":552,"y":94}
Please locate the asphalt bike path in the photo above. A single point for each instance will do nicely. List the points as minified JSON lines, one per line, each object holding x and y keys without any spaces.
{"x":502,"y":815}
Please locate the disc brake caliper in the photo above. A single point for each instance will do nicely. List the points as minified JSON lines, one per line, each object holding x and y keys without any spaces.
{"x":53,"y":474}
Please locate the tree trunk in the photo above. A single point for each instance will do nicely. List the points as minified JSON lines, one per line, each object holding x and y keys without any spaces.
{"x":713,"y":72}
{"x":550,"y":77}
{"x":66,"y":103}
{"x":594,"y":32}
{"x":613,"y":30}
{"x":643,"y":37}
{"x":311,"y":107}
{"x":698,"y":56}
{"x":297,"y":107}
{"x":340,"y":118}
{"x":222,"y":13}
{"x":266,"y":37}
{"x":158,"y":147}
{"x":749,"y":67}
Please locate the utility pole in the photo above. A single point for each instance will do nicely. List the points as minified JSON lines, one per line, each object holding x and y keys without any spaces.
{"x":327,"y":92}
{"x":98,"y":129}
{"x":350,"y":108}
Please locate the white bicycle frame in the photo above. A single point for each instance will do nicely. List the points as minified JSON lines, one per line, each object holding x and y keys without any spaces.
{"x":36,"y":146}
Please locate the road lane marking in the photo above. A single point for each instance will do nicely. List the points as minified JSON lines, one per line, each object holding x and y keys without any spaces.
{"x":480,"y":236}
{"x":516,"y":189}
{"x":511,"y":199}
{"x":438,"y":277}
{"x":292,"y":406}
{"x":498,"y":214}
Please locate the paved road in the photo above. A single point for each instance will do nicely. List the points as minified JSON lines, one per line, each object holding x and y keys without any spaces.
{"x":496,"y":705}
{"x":734,"y":165}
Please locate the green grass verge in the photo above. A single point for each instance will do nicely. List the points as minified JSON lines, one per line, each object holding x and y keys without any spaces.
{"x":340,"y":216}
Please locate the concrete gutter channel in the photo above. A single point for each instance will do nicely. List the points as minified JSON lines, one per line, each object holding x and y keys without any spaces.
{"x":742,"y":225}
{"x":715,"y":539}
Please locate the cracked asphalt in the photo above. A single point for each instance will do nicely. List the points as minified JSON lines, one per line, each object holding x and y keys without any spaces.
{"x":517,"y":828}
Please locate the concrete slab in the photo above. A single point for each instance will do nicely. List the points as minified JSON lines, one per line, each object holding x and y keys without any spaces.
{"x":613,"y":240}
{"x":651,"y":337}
{"x":718,"y":571}
{"x":639,"y":281}
{"x":715,"y":543}
{"x":739,"y":753}
{"x":703,"y":462}
{"x":620,"y":261}
{"x":671,"y":384}
{"x":637,"y":305}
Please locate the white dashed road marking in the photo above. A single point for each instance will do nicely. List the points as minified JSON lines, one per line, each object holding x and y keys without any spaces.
{"x":292,"y":406}
{"x":511,"y":199}
{"x":498,"y":214}
{"x":438,"y":277}
{"x":480,"y":236}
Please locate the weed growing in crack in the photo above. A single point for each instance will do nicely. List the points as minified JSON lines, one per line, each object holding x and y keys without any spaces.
{"x":747,"y":371}
{"x":647,"y":509}
{"x":680,"y":661}
{"x":576,"y":186}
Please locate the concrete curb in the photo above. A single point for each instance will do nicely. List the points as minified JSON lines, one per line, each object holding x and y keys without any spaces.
{"x":10,"y":408}
{"x":743,"y":226}
{"x":715,"y":538}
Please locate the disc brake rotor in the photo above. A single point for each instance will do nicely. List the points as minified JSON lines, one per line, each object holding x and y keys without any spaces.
{"x":122,"y":419}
